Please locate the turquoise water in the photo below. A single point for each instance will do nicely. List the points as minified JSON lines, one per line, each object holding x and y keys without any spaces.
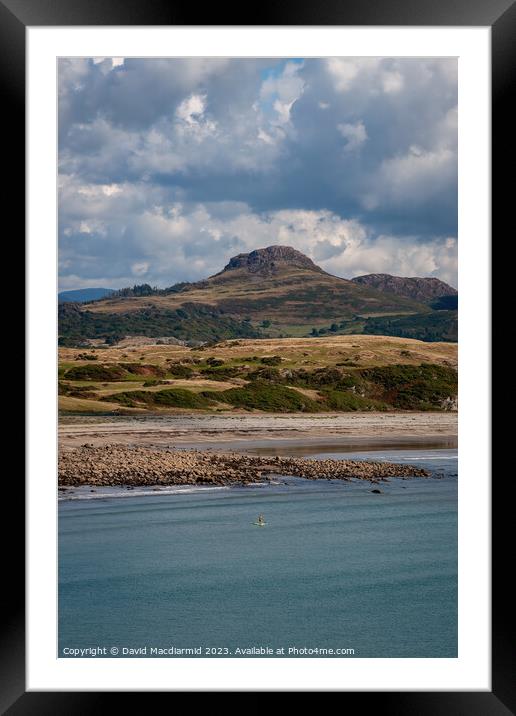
{"x":336,"y":567}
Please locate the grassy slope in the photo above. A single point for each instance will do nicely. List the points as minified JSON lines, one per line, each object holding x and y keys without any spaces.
{"x":296,"y":296}
{"x":240,"y":359}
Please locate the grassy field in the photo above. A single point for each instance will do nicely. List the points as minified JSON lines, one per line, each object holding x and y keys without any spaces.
{"x":337,"y":373}
{"x":367,"y":351}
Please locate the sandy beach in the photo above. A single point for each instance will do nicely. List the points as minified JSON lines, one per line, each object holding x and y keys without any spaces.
{"x":276,"y":433}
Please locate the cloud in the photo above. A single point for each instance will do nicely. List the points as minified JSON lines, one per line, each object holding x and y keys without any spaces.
{"x":170,"y":242}
{"x":192,"y":108}
{"x":282,"y":90}
{"x":415,"y":177}
{"x":140,"y":268}
{"x":346,"y":71}
{"x":402,"y":257}
{"x":392,"y":82}
{"x":172,"y":164}
{"x":354,"y":134}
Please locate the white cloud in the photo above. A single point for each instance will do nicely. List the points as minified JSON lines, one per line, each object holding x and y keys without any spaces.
{"x":283,"y":110}
{"x":345,"y":71}
{"x":392,"y":82}
{"x":262,"y":134}
{"x":91,"y":226}
{"x":85,"y":228}
{"x":354,"y":134}
{"x":191,"y":112}
{"x":283,"y":90}
{"x":107,"y":64}
{"x":192,"y":242}
{"x":192,"y":108}
{"x":96,"y":190}
{"x":405,"y":256}
{"x":140,"y":269}
{"x":415,"y":176}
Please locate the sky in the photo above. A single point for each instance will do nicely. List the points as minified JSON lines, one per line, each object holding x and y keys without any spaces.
{"x":169,"y":167}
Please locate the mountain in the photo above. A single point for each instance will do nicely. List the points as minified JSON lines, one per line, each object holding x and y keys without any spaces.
{"x":80,"y":295}
{"x":418,"y":289}
{"x":276,"y":283}
{"x":270,"y":292}
{"x":270,"y":261}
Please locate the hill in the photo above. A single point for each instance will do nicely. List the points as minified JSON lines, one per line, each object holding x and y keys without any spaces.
{"x":331,"y":374}
{"x":439,"y":325}
{"x":277,"y":284}
{"x":81,"y":295}
{"x":274,"y":291}
{"x":192,"y":322}
{"x":415,"y":288}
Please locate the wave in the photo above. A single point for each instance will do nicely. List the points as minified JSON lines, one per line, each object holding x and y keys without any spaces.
{"x":81,"y":493}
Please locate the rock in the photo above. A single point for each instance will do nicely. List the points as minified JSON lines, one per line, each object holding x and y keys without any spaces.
{"x":117,"y":464}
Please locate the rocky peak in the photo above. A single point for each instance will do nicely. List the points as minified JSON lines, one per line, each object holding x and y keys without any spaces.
{"x":416,"y":288}
{"x":267,"y":260}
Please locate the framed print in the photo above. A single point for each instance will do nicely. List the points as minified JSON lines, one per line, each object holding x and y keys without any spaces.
{"x":258,"y":291}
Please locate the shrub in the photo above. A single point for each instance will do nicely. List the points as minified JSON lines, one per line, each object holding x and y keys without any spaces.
{"x":74,"y":392}
{"x":146,"y":369}
{"x":172,"y":397}
{"x":221,"y":372}
{"x":97,"y":373}
{"x":346,"y":401}
{"x":269,"y":374}
{"x":260,"y":395}
{"x":271,"y":360}
{"x":180,"y":371}
{"x":409,"y":387}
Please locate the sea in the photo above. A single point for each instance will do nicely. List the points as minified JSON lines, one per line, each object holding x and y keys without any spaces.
{"x":338,"y":571}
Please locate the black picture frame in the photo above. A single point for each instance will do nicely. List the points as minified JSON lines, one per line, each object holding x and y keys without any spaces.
{"x":500,"y":15}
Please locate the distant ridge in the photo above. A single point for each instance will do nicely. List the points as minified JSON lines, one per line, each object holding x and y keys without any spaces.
{"x":81,"y":295}
{"x":418,"y":289}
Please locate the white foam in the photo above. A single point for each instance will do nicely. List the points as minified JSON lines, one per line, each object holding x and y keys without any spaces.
{"x":86,"y":494}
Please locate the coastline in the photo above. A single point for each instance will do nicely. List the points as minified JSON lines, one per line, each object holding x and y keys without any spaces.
{"x":249,"y":449}
{"x":115,"y":465}
{"x":252,"y":432}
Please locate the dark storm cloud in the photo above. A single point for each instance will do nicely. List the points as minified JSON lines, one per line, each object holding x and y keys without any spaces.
{"x":168,"y":167}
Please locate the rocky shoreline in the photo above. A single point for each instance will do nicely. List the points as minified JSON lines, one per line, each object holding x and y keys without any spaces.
{"x":114,"y":464}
